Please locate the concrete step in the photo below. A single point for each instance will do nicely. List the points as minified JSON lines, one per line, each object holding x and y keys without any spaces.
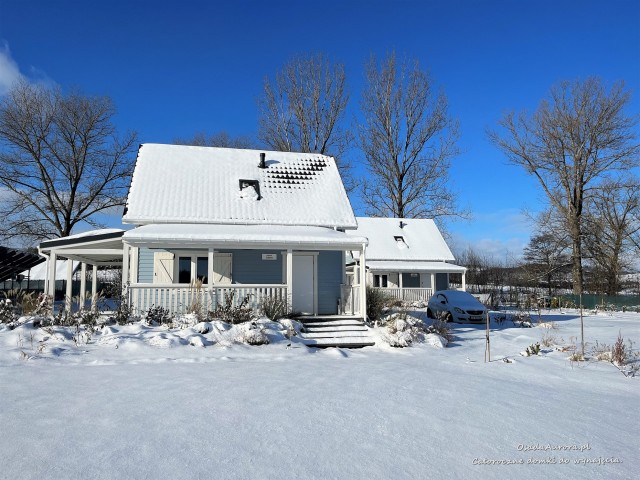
{"x":344,"y":332}
{"x":344,"y":342}
{"x":336,"y":328}
{"x":336,"y":334}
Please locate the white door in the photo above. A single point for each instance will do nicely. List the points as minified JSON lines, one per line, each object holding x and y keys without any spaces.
{"x":163,"y":267}
{"x":303,"y":285}
{"x":222,"y":268}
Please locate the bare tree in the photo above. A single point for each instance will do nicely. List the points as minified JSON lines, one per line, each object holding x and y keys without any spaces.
{"x":304,"y":109}
{"x":61,"y":161}
{"x":571,"y":142}
{"x":219,"y":139}
{"x":547,"y":259}
{"x":609,"y":229}
{"x":408,"y":139}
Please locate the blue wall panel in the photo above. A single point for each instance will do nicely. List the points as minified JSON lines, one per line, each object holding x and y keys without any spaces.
{"x":329,"y":280}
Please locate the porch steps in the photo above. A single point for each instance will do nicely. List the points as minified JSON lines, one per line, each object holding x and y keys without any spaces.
{"x":345,"y":332}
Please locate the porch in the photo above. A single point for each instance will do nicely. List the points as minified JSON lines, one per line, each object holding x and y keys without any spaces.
{"x":181,"y":272}
{"x":407,"y":294}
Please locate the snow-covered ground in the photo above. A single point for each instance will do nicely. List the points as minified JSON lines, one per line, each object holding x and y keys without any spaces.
{"x":140,"y":402}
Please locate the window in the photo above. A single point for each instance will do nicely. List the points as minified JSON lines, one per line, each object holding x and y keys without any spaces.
{"x":400,"y":241}
{"x":191,"y":268}
{"x":184,"y":269}
{"x":202,"y":269}
{"x":380,"y":281}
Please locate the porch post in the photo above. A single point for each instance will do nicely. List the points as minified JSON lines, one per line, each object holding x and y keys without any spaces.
{"x":363,"y":281}
{"x":83,"y":284}
{"x":401,"y":286}
{"x":464,"y":281}
{"x":67,"y":297}
{"x":290,"y":277}
{"x":94,"y":288}
{"x":433,"y":283}
{"x":53,"y":262}
{"x":125,"y":264}
{"x":133,"y":271}
{"x":210,"y":276}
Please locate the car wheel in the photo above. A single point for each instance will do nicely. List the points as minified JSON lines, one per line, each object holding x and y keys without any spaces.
{"x":430,"y":313}
{"x":448,"y":318}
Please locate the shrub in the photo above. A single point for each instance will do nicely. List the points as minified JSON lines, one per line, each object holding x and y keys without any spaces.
{"x":440,"y":328}
{"x":619,"y":351}
{"x":254,"y":335}
{"x":402,"y":330}
{"x":275,"y":308}
{"x":157,"y":315}
{"x":377,"y":301}
{"x":195,"y":293}
{"x":229,"y":313}
{"x":7,"y":311}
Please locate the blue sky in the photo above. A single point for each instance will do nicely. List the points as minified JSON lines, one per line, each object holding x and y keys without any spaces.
{"x":176,"y":68}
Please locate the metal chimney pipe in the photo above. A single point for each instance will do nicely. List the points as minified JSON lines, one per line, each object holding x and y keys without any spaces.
{"x":262,"y":163}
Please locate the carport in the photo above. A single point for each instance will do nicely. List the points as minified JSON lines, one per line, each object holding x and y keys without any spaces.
{"x":95,"y":248}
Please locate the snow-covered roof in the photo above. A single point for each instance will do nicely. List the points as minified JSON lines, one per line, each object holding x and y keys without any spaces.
{"x":254,"y":236}
{"x":186,"y":184}
{"x":82,"y":238}
{"x":418,"y":239}
{"x":414,"y":266}
{"x":39,"y":272}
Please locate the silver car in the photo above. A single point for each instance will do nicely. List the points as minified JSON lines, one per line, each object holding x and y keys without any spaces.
{"x":456,"y":306}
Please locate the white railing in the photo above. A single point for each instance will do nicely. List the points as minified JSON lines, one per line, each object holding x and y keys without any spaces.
{"x":408,"y":294}
{"x":350,"y":299}
{"x":183,"y":298}
{"x":257,"y":294}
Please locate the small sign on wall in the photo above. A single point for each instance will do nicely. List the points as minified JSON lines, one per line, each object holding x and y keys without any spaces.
{"x":269,"y":256}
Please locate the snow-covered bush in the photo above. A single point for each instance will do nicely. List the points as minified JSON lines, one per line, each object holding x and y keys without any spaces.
{"x":533,"y":349}
{"x":71,"y":319}
{"x":157,"y":315}
{"x":253,"y":334}
{"x":402,"y":329}
{"x":229,"y":313}
{"x":441,"y":329}
{"x":7,"y":311}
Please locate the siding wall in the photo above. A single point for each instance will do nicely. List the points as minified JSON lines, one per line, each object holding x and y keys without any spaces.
{"x":329,"y":280}
{"x":248,"y":267}
{"x":410,"y":282}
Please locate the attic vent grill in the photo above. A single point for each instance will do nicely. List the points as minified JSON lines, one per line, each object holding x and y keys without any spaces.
{"x":296,"y":175}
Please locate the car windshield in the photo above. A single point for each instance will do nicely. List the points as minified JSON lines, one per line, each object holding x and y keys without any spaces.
{"x":461,"y":297}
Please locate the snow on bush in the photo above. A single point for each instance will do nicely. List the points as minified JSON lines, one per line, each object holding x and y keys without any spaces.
{"x":403,"y":330}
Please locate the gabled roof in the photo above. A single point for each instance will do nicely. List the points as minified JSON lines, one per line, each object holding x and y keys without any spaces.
{"x":185,"y":184}
{"x":417,"y":239}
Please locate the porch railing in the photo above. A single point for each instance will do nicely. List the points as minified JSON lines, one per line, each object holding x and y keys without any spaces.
{"x":350,"y":299}
{"x":183,"y":298}
{"x":408,"y":294}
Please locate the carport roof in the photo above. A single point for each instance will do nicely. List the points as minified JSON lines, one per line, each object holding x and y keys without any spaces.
{"x":13,"y":262}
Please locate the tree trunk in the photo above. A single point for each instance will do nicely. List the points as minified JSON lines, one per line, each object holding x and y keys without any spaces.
{"x":576,"y":257}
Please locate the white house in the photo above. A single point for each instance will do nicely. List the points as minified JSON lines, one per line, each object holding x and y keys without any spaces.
{"x":241,"y":222}
{"x":407,"y":258}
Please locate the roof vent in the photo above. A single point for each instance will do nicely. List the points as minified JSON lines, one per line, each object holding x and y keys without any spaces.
{"x":402,"y":224}
{"x":263,"y":163}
